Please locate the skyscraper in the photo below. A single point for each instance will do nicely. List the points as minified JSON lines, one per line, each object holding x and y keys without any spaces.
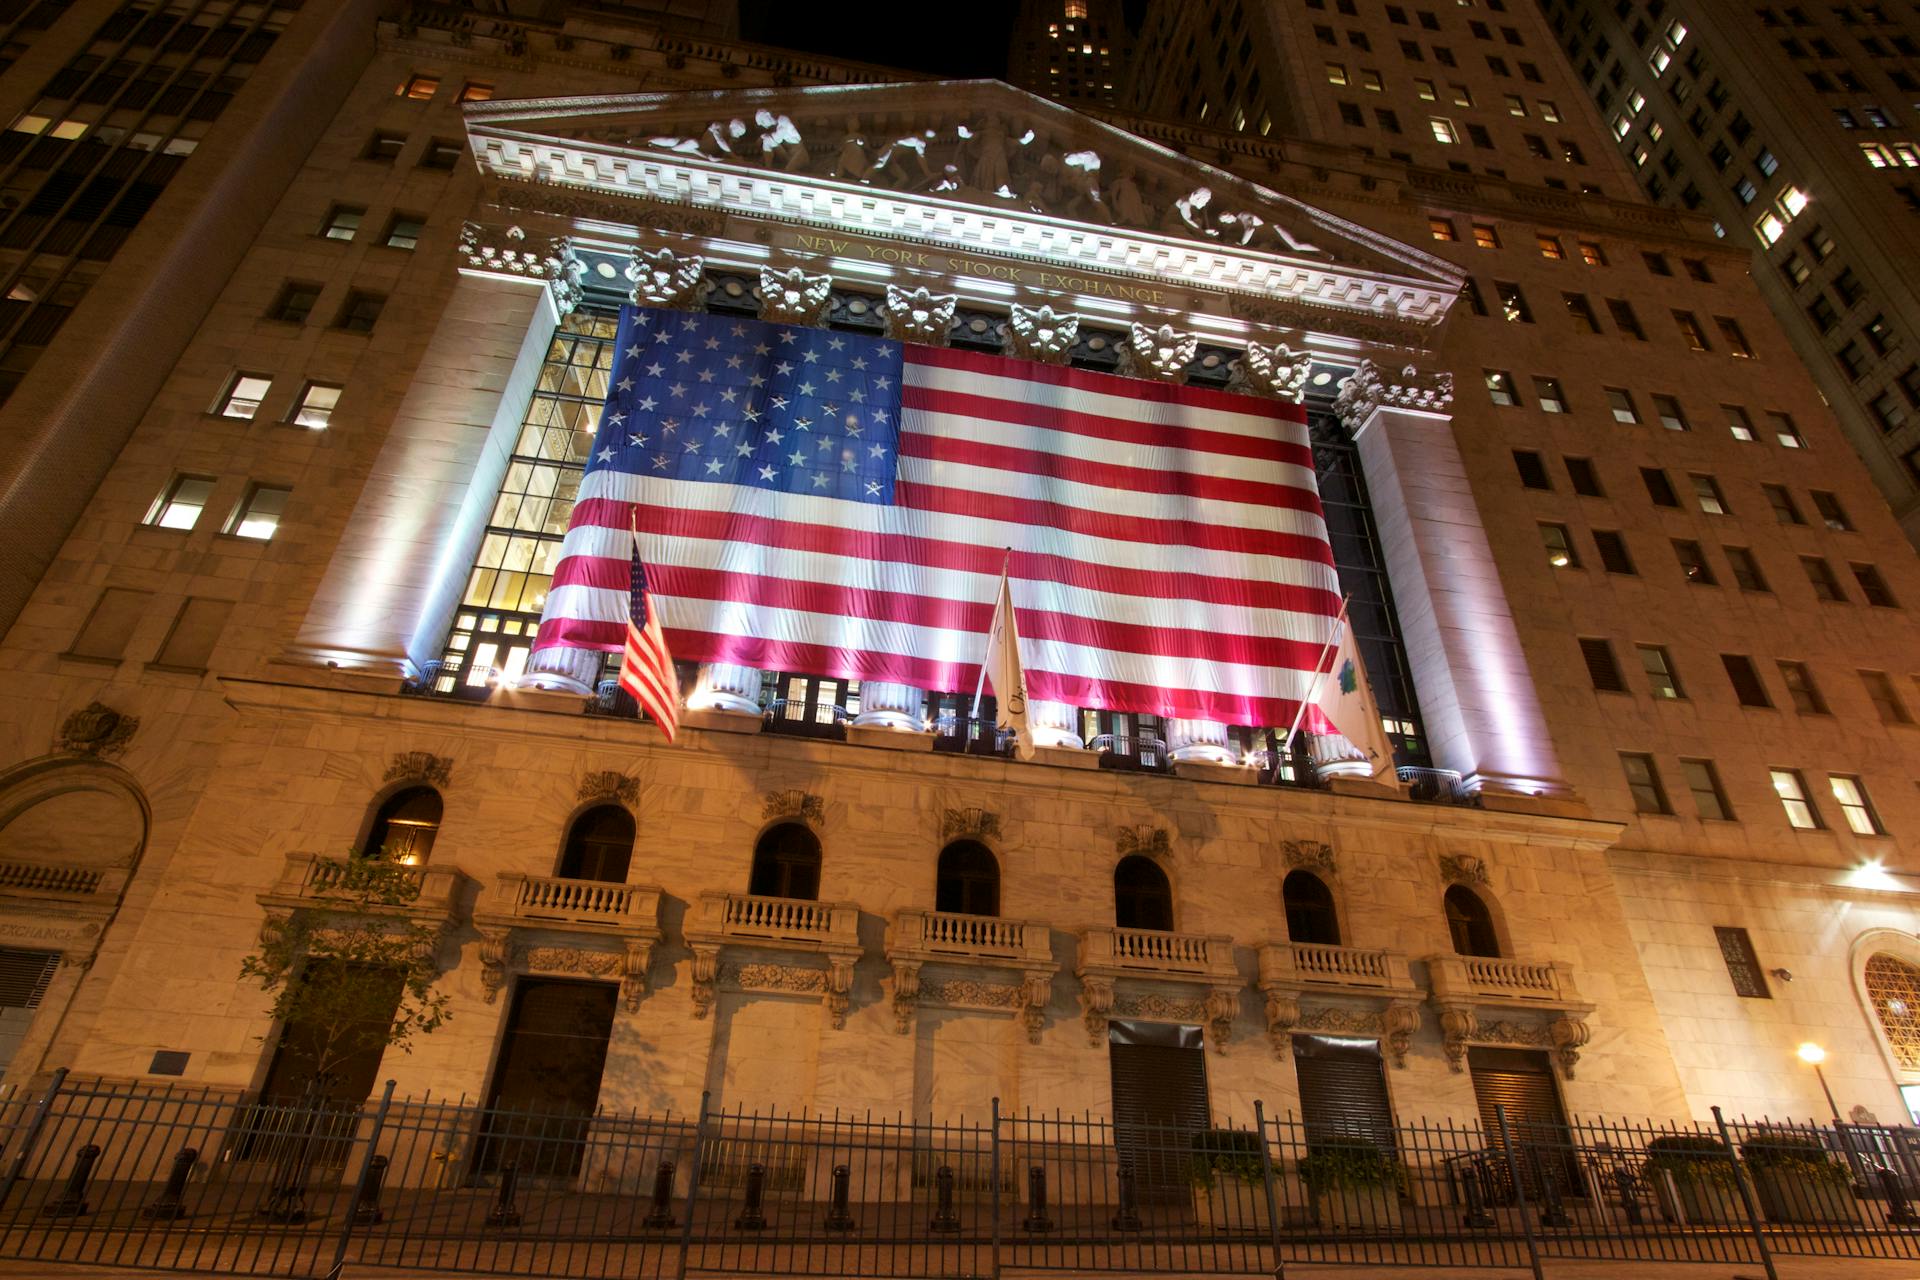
{"x":1078,"y":49}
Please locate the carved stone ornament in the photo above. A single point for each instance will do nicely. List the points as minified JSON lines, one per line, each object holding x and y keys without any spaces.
{"x":834,"y":984}
{"x":519,"y":196}
{"x":1162,"y":354}
{"x":505,"y":251}
{"x":794,"y":297}
{"x":917,"y":315}
{"x":610,"y":785}
{"x":1398,"y":1021}
{"x":1308,"y":855}
{"x":1096,"y":1008}
{"x":1457,"y":1026}
{"x":1462,"y":868}
{"x":793,"y":804}
{"x":969,"y":824}
{"x":96,"y":730}
{"x":663,"y":278}
{"x":419,"y":766}
{"x":1144,"y":840}
{"x":1283,"y":1015}
{"x":1277,"y":371}
{"x":1570,"y":1034}
{"x":1028,"y":999}
{"x":498,"y":958}
{"x":1041,"y":333}
{"x":1411,"y":389}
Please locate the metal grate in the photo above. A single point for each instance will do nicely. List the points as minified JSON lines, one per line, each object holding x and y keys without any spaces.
{"x":24,"y":976}
{"x":1894,"y":987}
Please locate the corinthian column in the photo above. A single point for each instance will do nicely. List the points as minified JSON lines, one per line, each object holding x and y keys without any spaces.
{"x":726,"y":686}
{"x":886,"y":705}
{"x":1055,"y":724}
{"x":1199,"y":741}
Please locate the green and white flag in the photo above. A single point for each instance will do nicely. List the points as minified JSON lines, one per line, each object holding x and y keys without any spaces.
{"x":1346,"y":699}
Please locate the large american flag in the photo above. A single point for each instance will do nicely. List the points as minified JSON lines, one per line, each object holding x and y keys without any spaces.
{"x":842,"y":505}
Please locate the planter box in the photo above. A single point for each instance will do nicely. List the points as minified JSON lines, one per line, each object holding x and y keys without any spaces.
{"x":1231,"y":1207}
{"x":1789,"y":1196}
{"x":1359,"y":1208}
{"x":1689,"y":1201}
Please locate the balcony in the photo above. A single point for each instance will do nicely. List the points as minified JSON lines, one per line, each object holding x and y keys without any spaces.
{"x":432,"y":893}
{"x":537,"y":924}
{"x":946,"y":941}
{"x":1312,"y":986}
{"x":749,"y":923}
{"x":1490,"y":1000}
{"x":1145,"y":973}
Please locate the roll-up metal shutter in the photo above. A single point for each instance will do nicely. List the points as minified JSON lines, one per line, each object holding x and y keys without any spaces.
{"x":24,"y":976}
{"x":1521,"y":1080}
{"x":1343,"y":1089}
{"x":1159,"y":1104}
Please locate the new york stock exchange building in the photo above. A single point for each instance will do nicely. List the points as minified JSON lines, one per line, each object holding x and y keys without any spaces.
{"x":344,"y":597}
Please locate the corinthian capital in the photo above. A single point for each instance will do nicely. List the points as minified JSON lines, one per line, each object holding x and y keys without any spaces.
{"x":794,"y":297}
{"x":1277,"y":371}
{"x":1371,"y":387}
{"x":505,"y":251}
{"x":1162,"y":354}
{"x":915,"y":315}
{"x":1041,"y":333}
{"x":663,"y":278}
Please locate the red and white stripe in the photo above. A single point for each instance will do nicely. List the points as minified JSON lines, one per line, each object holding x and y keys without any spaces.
{"x":1169,"y":554}
{"x":646,"y":671}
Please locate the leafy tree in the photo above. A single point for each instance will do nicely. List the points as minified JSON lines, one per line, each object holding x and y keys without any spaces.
{"x":353,"y":973}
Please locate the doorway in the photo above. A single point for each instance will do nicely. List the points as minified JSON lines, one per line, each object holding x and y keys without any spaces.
{"x":1521,"y":1080}
{"x":1159,"y":1104}
{"x":546,"y":1082}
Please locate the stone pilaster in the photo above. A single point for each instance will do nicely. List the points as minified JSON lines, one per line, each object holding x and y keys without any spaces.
{"x":1477,"y":698}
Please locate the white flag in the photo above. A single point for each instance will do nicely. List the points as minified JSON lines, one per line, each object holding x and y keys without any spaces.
{"x":1346,"y":698}
{"x":1002,"y":669}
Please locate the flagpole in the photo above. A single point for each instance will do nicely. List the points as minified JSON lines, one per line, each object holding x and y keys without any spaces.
{"x":1313,"y":690}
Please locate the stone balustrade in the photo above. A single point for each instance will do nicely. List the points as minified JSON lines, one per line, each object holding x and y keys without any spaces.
{"x":1112,"y":959}
{"x":749,"y":917}
{"x":1158,"y":953}
{"x":748,"y":922}
{"x":1494,"y":1000}
{"x":429,"y":892}
{"x":951,"y":934}
{"x":555,"y":900}
{"x":1313,"y":986}
{"x":1320,"y":964}
{"x":552,"y":924}
{"x":37,"y":877}
{"x":946,"y":941}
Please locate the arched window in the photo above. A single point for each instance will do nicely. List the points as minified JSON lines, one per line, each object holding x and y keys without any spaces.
{"x":968,"y":880}
{"x":1310,"y":913}
{"x":1893,"y":986}
{"x":1470,"y":923}
{"x":599,"y":845}
{"x":786,"y":864}
{"x":1142,"y":898}
{"x":404,"y":828}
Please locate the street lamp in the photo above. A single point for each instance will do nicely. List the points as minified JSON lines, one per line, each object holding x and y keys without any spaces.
{"x":1813,"y":1055}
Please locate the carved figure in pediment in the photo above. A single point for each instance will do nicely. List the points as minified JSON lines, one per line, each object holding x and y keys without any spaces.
{"x":1128,"y":205}
{"x":852,"y":162}
{"x":984,"y":159}
{"x":903,"y":165}
{"x":781,"y":143}
{"x":1188,"y":214}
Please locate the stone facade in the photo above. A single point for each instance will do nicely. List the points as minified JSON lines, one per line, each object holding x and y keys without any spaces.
{"x":189,"y":789}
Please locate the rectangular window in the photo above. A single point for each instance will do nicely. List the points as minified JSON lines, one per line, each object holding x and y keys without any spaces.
{"x":1693,"y":562}
{"x":441,"y":153}
{"x":105,"y":633}
{"x":343,"y":222}
{"x":243,"y":395}
{"x":1832,"y":514}
{"x":1560,"y":552}
{"x":315,"y":407}
{"x":1550,"y":246}
{"x":1443,"y":130}
{"x":1855,"y":806}
{"x":1513,"y":303}
{"x":1533,"y":471}
{"x":1734,"y":336}
{"x":1658,"y":664}
{"x":1872,"y":586}
{"x":1336,"y":73}
{"x":1485,"y":237}
{"x":1739,"y":423}
{"x":1594,"y":256}
{"x":384,"y":146}
{"x":1886,"y":699}
{"x":419,"y":88}
{"x":1743,"y":966}
{"x":1820,"y":577}
{"x":180,"y":506}
{"x":1584,"y":479}
{"x":1801,"y":690}
{"x":1745,"y":680}
{"x":1620,"y":400}
{"x":404,"y":231}
{"x":1691,"y":331}
{"x":1706,"y":491}
{"x":1784,"y":510}
{"x":1643,"y":780}
{"x":258,"y":517}
{"x":189,"y":644}
{"x":1792,"y":790}
{"x":1671,"y":416}
{"x":1659,"y":488}
{"x":476,"y":91}
{"x":294,"y":303}
{"x":1500,"y":387}
{"x":360,"y":311}
{"x":1552,"y":399}
{"x":1442,"y":229}
{"x":1656,"y":263}
{"x":1709,"y":801}
{"x":1746,"y":570}
{"x":1601,"y":667}
{"x":1624,"y":320}
{"x":1613,"y":552}
{"x":1580,"y":311}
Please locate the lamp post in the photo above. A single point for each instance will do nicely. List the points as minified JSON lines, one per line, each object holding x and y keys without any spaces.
{"x":1813,"y":1055}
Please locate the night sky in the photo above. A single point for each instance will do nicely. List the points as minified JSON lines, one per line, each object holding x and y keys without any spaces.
{"x":961,"y":42}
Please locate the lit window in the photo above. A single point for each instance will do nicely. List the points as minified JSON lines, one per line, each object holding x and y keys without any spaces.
{"x":1785,"y":431}
{"x":419,"y":88}
{"x":1548,"y":112}
{"x":1550,"y":247}
{"x":476,"y":91}
{"x":1552,"y":398}
{"x":1592,"y":254}
{"x":1513,"y":303}
{"x":180,"y":506}
{"x":343,"y":222}
{"x":244,"y":395}
{"x":1426,"y":90}
{"x":1485,"y":237}
{"x":1792,"y":790}
{"x":404,"y":231}
{"x":1443,"y":130}
{"x":1500,"y":387}
{"x":1851,"y":793}
{"x":1516,"y":105}
{"x":1876,"y":155}
{"x":1559,"y":545}
{"x":1661,"y":679}
{"x":1442,"y":229}
{"x":1671,"y":415}
{"x":1739,"y":423}
{"x":1336,"y":73}
{"x":1793,"y":200}
{"x":1707,"y":490}
{"x":259,"y":515}
{"x":315,"y":408}
{"x":1769,"y":228}
{"x":1620,"y":401}
{"x":1644,"y":782}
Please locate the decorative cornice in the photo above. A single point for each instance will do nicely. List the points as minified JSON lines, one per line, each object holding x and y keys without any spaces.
{"x":1413,"y":390}
{"x":1041,"y":333}
{"x":918,"y":315}
{"x":794,"y":297}
{"x":419,"y":766}
{"x":663,"y":278}
{"x":1161,"y":354}
{"x":504,"y":251}
{"x":96,"y":730}
{"x":1278,"y":371}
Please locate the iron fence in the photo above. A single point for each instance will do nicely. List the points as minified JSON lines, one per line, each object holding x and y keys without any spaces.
{"x":191,"y":1179}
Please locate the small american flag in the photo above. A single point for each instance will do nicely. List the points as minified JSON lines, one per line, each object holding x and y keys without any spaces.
{"x":646,"y":668}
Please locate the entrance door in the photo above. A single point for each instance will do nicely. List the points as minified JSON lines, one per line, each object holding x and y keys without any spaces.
{"x":24,"y":976}
{"x":546,"y":1084}
{"x":1159,"y":1104}
{"x":1521,"y":1080}
{"x":1343,"y":1091}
